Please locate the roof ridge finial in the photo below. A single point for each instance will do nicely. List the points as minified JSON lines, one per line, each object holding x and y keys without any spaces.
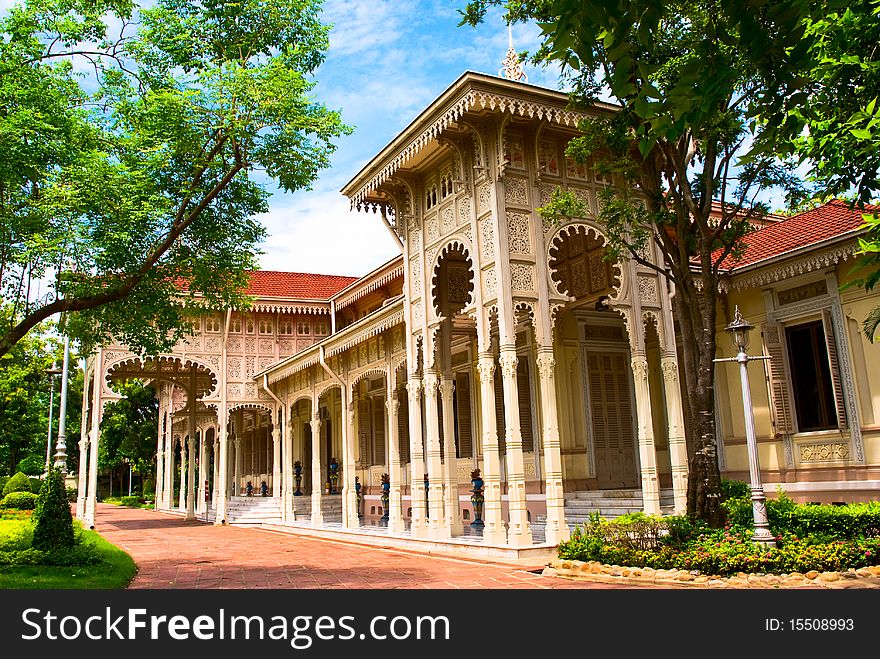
{"x":512,"y":68}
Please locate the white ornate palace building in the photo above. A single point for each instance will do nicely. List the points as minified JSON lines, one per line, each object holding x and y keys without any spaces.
{"x":497,"y":342}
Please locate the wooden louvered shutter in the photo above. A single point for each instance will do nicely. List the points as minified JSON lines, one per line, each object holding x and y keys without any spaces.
{"x":499,"y":412}
{"x":363,"y":432}
{"x":403,"y":427}
{"x":625,"y":410}
{"x":524,"y":392}
{"x":378,"y":431}
{"x":463,"y":415}
{"x":780,"y":399}
{"x":836,"y":382}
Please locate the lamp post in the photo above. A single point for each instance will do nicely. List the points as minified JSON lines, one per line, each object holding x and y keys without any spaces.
{"x":739,"y":329}
{"x":51,"y":372}
{"x":61,"y":444}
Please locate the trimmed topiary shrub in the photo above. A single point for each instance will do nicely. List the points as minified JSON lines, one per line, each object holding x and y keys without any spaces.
{"x":132,"y":501}
{"x":19,"y":501}
{"x":53,"y":528}
{"x":17,"y":483}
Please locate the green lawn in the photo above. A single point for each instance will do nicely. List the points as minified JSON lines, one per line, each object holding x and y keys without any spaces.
{"x":116,"y":569}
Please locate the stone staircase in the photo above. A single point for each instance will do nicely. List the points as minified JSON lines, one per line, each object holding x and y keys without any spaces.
{"x":609,"y":504}
{"x":331,"y":508}
{"x":253,"y":511}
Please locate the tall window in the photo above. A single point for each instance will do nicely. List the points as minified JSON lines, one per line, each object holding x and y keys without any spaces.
{"x":814,"y":400}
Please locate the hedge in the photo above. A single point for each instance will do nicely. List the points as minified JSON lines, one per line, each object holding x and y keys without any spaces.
{"x":19,"y":501}
{"x":17,"y":483}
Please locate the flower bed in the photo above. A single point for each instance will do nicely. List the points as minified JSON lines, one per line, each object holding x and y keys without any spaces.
{"x":808,"y":538}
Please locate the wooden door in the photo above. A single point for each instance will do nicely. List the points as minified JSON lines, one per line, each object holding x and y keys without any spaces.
{"x":612,"y":422}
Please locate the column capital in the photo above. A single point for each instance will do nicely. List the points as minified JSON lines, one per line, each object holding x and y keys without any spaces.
{"x":392,"y":405}
{"x":430,"y":382}
{"x":546,"y":364}
{"x":508,"y":361}
{"x":413,"y":387}
{"x":669,"y":366}
{"x":447,"y":387}
{"x":486,"y":369}
{"x":640,"y":367}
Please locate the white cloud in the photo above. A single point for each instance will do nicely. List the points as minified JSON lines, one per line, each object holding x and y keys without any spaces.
{"x":319,"y":233}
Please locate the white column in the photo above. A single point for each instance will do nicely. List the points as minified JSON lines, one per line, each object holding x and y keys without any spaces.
{"x":556,"y":530}
{"x":419,"y":525}
{"x":647,"y":453}
{"x":215,"y":473}
{"x":170,"y":445}
{"x":677,"y":446}
{"x":201,"y":502}
{"x":191,"y":471}
{"x":160,"y":456}
{"x":184,"y":463}
{"x":518,"y":532}
{"x":239,"y":463}
{"x":437,"y":527}
{"x":94,"y":439}
{"x":317,"y":480}
{"x":83,"y":452}
{"x":494,"y":531}
{"x":221,"y":485}
{"x":275,"y":482}
{"x":349,"y":494}
{"x":287,"y":463}
{"x":83,"y":476}
{"x":395,"y":505}
{"x":451,"y":509}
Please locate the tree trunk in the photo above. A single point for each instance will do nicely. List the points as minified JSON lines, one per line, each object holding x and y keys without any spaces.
{"x":696,"y":315}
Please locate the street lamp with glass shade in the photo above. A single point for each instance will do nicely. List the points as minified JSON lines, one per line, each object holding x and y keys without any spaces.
{"x":739,"y":329}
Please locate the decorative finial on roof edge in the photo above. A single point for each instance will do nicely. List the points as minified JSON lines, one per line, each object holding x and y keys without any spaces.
{"x":512,"y":68}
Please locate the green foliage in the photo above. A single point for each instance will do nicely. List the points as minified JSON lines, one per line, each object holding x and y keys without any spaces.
{"x":53,"y":528}
{"x":132,"y":161}
{"x":15,"y":535}
{"x":19,"y":501}
{"x":18,"y":483}
{"x":731,"y":489}
{"x":71,"y":494}
{"x":132,"y":501}
{"x":720,"y":551}
{"x":128,"y":429}
{"x":32,"y":465}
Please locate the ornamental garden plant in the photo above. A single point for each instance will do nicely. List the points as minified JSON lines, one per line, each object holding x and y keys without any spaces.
{"x":808,"y":537}
{"x":41,"y":546}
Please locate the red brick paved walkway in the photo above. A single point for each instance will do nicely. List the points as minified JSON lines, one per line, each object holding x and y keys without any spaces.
{"x":172,"y":553}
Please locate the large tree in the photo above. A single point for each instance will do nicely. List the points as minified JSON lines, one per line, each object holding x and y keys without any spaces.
{"x":687,"y":76}
{"x":129,"y":143}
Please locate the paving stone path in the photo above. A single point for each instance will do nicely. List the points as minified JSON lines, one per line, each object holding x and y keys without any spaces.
{"x":173,"y":553}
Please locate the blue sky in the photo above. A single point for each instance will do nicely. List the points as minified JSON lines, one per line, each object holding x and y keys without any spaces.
{"x":387,"y":61}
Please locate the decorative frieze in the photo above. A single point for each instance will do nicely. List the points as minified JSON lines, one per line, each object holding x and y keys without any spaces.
{"x":598,"y":273}
{"x":286,"y":346}
{"x":800,"y":293}
{"x":487,"y":239}
{"x":415,"y":236}
{"x":233,"y":368}
{"x":605,"y":332}
{"x":518,"y":238}
{"x":648,"y":289}
{"x":249,"y":364}
{"x":416,"y":279}
{"x":464,"y":210}
{"x":824,"y":452}
{"x":522,"y":276}
{"x":489,"y":282}
{"x":484,"y":198}
{"x":212,"y":344}
{"x":432,"y":228}
{"x":515,"y":191}
{"x":234,"y":390}
{"x":250,"y":345}
{"x":234,"y":345}
{"x":447,"y":220}
{"x":266,"y":362}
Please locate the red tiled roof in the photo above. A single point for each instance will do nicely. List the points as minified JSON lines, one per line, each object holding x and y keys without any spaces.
{"x":298,"y":285}
{"x":822,"y":223}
